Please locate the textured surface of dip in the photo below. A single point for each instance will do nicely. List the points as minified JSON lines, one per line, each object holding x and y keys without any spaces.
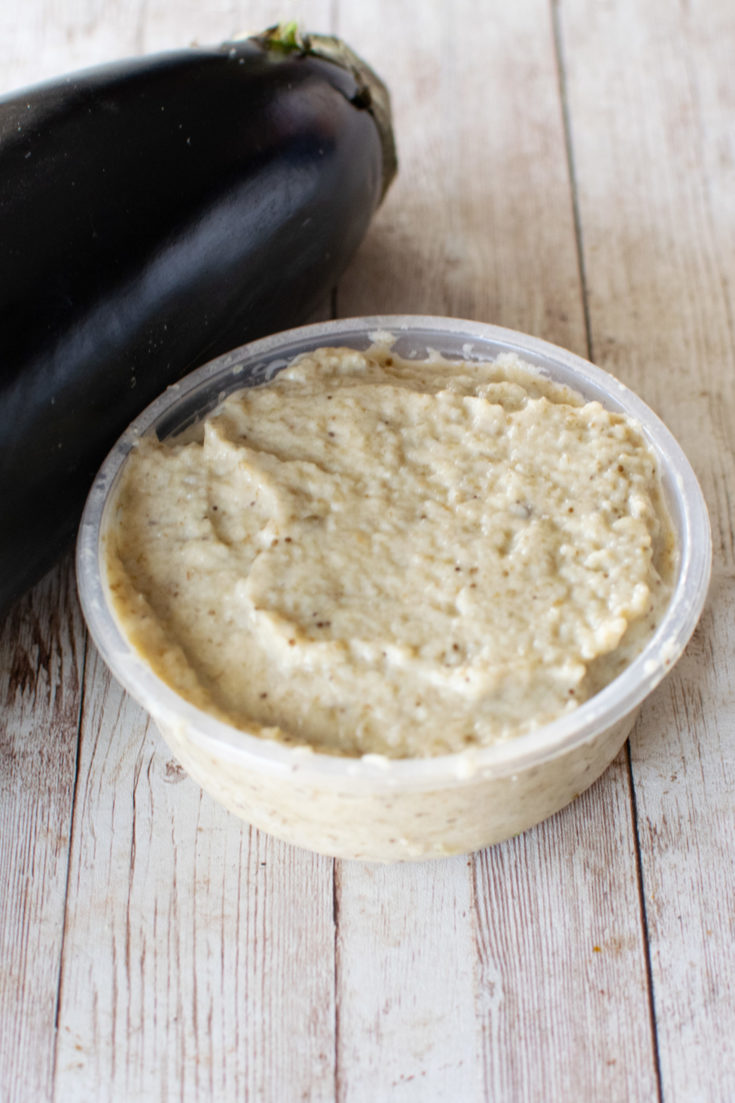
{"x":406,"y":558}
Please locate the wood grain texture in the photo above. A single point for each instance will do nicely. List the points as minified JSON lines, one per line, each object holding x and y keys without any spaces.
{"x":41,"y":660}
{"x":657,"y":218}
{"x":568,"y":169}
{"x":561,"y":957}
{"x":657,"y":204}
{"x":685,"y":781}
{"x":406,"y":1026}
{"x":198,"y":953}
{"x":479,"y":223}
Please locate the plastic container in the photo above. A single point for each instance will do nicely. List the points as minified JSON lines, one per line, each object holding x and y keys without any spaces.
{"x":372,"y":808}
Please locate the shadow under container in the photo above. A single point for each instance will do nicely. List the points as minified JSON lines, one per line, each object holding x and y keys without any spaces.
{"x":373,"y":808}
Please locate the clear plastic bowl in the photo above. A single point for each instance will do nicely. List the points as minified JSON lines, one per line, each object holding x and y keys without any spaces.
{"x":373,"y":808}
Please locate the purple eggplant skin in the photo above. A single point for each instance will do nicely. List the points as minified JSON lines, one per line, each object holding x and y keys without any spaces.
{"x":155,"y":213}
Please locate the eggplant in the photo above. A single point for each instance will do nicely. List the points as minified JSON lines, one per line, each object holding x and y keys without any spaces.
{"x":155,"y":213}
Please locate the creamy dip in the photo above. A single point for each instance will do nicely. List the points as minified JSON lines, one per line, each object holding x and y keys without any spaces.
{"x":405,"y":558}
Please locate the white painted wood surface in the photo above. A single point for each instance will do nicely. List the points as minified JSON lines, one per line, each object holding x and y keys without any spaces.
{"x":567,"y":168}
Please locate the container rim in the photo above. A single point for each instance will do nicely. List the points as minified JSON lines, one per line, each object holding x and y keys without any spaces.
{"x":516,"y":754}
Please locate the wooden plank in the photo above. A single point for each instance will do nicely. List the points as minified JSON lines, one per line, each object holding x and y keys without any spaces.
{"x":406,"y":1024}
{"x":657,"y":203}
{"x":198,"y":959}
{"x":480,"y":223}
{"x":563,"y":993}
{"x":685,"y":781}
{"x":41,"y":660}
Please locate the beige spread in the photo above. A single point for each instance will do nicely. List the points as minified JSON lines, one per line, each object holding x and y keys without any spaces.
{"x":374,"y":555}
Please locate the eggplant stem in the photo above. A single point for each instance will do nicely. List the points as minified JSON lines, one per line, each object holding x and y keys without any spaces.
{"x":286,"y":36}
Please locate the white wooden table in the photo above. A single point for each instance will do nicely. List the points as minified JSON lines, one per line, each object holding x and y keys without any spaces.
{"x":567,"y":169}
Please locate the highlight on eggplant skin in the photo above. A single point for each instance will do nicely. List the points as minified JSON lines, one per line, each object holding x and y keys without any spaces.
{"x":155,"y":213}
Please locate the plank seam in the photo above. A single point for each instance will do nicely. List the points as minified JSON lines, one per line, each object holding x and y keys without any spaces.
{"x":337,"y":971}
{"x":644,"y":925}
{"x":473,"y":861}
{"x":571,"y":169}
{"x":72,"y":819}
